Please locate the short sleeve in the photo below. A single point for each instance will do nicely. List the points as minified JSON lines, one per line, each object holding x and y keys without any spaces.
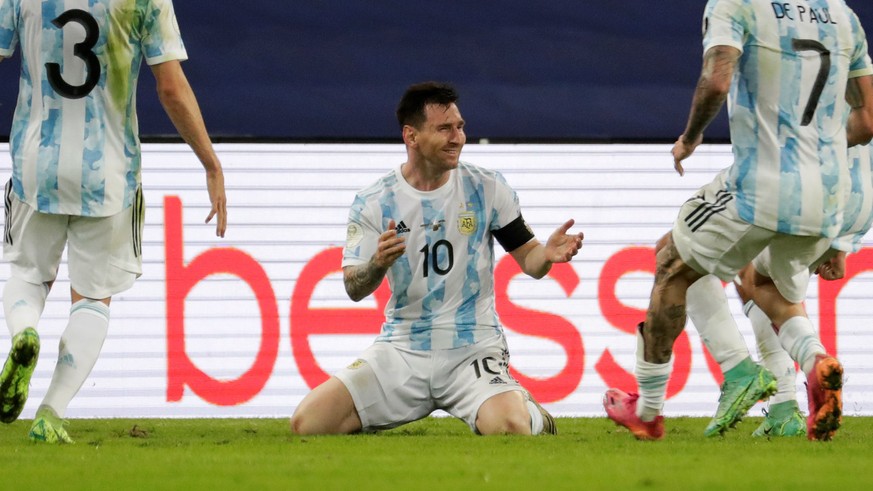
{"x":724,"y":24}
{"x":362,"y":234}
{"x":860,"y":64}
{"x":506,"y":207}
{"x":161,"y":38}
{"x":8,"y":27}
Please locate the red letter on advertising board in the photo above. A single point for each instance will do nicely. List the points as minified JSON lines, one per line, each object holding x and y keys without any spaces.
{"x":828,"y":291}
{"x":624,"y":318}
{"x":306,"y":321}
{"x":541,"y":324}
{"x":181,"y":279}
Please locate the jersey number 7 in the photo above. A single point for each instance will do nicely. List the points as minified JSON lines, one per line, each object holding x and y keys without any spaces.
{"x":820,"y":79}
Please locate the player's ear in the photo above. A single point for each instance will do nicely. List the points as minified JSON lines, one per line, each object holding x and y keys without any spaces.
{"x":409,"y":135}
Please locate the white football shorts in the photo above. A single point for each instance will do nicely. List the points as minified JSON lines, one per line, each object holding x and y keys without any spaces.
{"x":103,"y":253}
{"x":793,"y":288}
{"x":392,"y":386}
{"x":711,"y":238}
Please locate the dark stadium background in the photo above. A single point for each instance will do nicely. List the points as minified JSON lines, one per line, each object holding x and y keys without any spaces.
{"x":561,"y":70}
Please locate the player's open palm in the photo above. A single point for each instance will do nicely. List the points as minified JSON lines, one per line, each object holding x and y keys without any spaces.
{"x":561,"y":246}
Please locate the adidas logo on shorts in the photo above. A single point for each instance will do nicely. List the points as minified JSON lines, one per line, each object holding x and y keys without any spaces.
{"x":497,"y":380}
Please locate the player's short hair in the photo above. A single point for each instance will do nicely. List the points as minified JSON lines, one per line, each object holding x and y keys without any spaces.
{"x":410,"y":110}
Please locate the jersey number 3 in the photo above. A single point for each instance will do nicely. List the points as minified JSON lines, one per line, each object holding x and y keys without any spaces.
{"x":83,"y":50}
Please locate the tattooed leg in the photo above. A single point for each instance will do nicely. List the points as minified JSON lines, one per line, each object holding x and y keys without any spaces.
{"x":666,"y":317}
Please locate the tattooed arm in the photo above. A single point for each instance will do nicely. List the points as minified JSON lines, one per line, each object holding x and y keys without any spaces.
{"x":859,"y":94}
{"x":363,"y":279}
{"x":719,"y":64}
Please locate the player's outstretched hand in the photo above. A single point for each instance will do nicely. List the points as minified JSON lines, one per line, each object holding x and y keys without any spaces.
{"x":389,"y":248}
{"x":561,"y":246}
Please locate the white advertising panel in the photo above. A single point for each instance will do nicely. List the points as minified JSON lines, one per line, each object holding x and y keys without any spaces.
{"x":245,"y":326}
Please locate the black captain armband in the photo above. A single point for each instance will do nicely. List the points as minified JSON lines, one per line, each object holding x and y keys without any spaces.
{"x":514,"y":235}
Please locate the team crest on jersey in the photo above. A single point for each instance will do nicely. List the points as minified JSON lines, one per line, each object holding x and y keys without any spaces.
{"x":467,"y":223}
{"x":356,"y":364}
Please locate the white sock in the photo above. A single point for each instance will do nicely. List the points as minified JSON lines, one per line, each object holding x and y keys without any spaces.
{"x":80,"y":346}
{"x":536,"y":419}
{"x":772,"y":354}
{"x":23,"y":304}
{"x":652,"y":381}
{"x":707,"y":307}
{"x":797,"y":335}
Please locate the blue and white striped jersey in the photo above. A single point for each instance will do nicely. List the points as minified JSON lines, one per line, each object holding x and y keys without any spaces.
{"x":858,"y":216}
{"x":443,"y":286}
{"x":787,"y":108}
{"x":74,"y":139}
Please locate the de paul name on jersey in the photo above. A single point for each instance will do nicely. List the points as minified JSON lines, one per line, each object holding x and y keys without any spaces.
{"x":802,"y":12}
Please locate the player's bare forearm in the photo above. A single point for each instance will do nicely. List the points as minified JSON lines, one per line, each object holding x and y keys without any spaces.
{"x":712,"y":89}
{"x":531,"y":257}
{"x":536,"y":259}
{"x":180,"y":104}
{"x":363,"y":279}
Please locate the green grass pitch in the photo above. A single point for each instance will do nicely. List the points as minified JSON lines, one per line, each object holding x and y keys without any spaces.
{"x":435,"y":453}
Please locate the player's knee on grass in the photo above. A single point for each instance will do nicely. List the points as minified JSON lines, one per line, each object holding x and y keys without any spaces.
{"x":297,"y":423}
{"x":312,"y":423}
{"x":328,"y":409}
{"x":504,"y":414}
{"x":509,"y":424}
